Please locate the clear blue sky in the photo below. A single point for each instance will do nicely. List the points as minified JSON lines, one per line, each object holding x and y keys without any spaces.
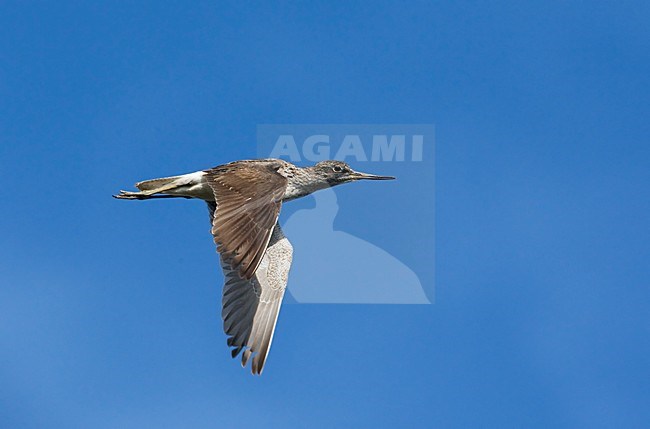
{"x":109,"y":310}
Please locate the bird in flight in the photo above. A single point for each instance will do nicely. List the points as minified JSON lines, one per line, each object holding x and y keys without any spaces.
{"x":244,"y":199}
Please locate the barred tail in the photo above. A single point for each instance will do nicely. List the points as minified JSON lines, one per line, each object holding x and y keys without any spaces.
{"x":155,"y":184}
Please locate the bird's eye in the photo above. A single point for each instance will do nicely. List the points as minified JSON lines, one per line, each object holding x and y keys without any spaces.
{"x":337,"y":169}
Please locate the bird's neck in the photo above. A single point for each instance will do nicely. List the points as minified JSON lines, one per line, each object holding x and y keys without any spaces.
{"x":302,"y":182}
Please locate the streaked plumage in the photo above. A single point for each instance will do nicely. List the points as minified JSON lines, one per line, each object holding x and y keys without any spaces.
{"x":244,"y":199}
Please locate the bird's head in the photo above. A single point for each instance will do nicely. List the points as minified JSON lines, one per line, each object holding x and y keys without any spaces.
{"x":338,"y":172}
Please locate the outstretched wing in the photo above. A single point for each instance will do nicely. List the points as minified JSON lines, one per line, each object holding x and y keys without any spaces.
{"x":249,"y":197}
{"x":250,"y":307}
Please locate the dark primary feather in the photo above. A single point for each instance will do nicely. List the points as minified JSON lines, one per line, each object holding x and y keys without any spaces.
{"x":250,"y":307}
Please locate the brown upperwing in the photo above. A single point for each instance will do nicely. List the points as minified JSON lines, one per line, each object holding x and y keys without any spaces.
{"x":249,"y":196}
